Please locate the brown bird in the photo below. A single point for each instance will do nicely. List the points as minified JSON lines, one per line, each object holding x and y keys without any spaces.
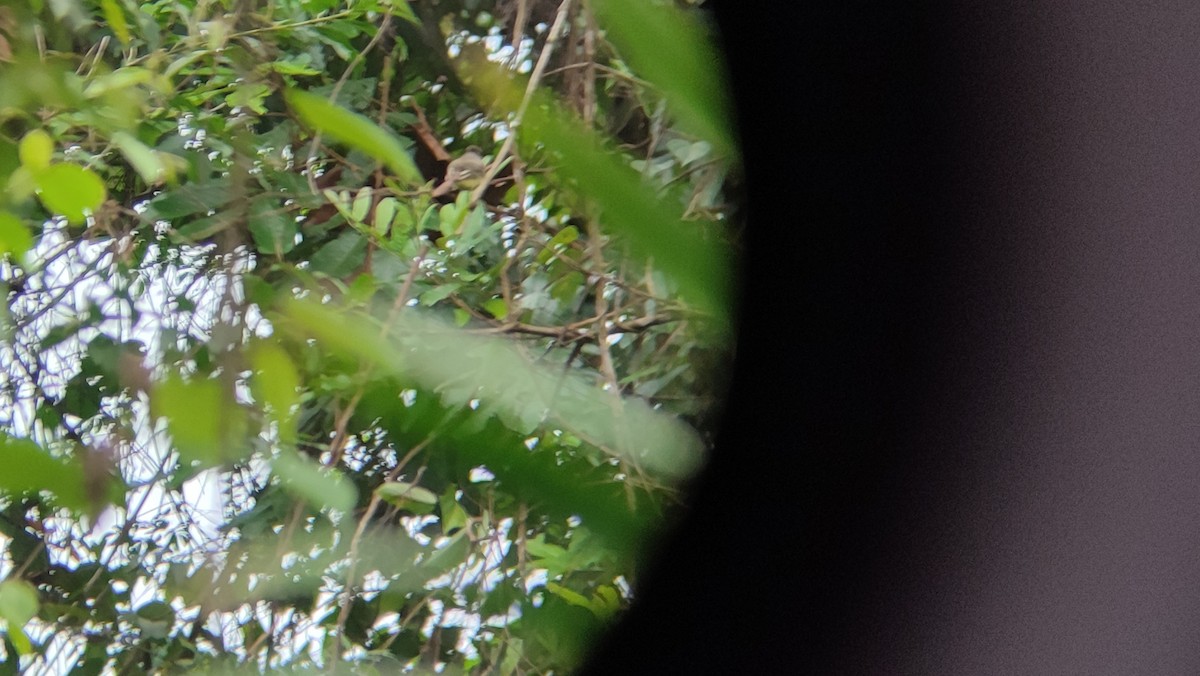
{"x":464,"y":173}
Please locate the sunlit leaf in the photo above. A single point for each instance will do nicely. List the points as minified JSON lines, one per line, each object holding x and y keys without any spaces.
{"x":115,"y":19}
{"x":35,"y":150}
{"x":496,"y":307}
{"x":70,"y":190}
{"x":561,"y":239}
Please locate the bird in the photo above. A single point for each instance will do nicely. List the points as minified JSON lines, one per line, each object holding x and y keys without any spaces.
{"x":463,"y":173}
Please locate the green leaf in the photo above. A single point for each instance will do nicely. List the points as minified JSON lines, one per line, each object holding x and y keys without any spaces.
{"x":396,"y":492}
{"x":559,"y":241}
{"x":496,"y":307}
{"x":340,"y":257}
{"x":15,"y":238}
{"x":189,"y":199}
{"x":276,"y":383}
{"x":354,"y":130}
{"x":318,"y":487}
{"x":35,"y":150}
{"x":143,"y":159}
{"x":401,"y":9}
{"x":564,"y":289}
{"x":115,"y":19}
{"x":361,"y":205}
{"x":439,"y":293}
{"x":29,"y":469}
{"x":195,"y":413}
{"x":295,"y":66}
{"x":669,"y":48}
{"x":568,"y":595}
{"x":273,"y":230}
{"x":628,"y":206}
{"x":249,"y":96}
{"x":403,"y":222}
{"x":453,"y":514}
{"x":122,"y":78}
{"x":385,"y":211}
{"x":70,"y":190}
{"x":18,"y":605}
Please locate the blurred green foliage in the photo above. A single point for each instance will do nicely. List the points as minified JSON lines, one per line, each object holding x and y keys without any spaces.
{"x":276,"y":394}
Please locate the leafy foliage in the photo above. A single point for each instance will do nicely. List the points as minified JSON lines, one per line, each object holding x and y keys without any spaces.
{"x":275,"y":393}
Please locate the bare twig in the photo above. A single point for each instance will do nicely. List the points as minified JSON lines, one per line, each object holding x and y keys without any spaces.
{"x":534,"y":79}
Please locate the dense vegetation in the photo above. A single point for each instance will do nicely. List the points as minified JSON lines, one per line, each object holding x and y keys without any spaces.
{"x":275,"y":392}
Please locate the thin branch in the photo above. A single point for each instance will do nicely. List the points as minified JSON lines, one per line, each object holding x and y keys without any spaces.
{"x":534,"y":79}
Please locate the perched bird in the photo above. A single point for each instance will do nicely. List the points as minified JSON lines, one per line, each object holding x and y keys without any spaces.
{"x":463,"y":173}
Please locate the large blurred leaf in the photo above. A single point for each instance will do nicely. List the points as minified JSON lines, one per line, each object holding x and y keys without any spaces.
{"x":204,"y":423}
{"x":18,"y":605}
{"x":35,"y":150}
{"x":354,"y":130}
{"x":627,"y":205}
{"x":14,"y":236}
{"x":276,"y":383}
{"x":70,"y":190}
{"x":29,"y":469}
{"x":669,"y":48}
{"x":523,"y":393}
{"x":307,"y":481}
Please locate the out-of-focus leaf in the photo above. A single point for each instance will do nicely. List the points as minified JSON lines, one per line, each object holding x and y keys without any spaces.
{"x":401,"y":9}
{"x":199,"y":418}
{"x":273,"y":230}
{"x":399,"y":492}
{"x":121,"y":78}
{"x":307,"y":481}
{"x":453,"y":514}
{"x":276,"y":383}
{"x":35,"y":150}
{"x":70,"y":190}
{"x":14,"y":236}
{"x":341,"y":256}
{"x":115,"y":19}
{"x":354,"y":130}
{"x":18,"y":605}
{"x":627,"y":206}
{"x":29,"y":469}
{"x":561,"y":239}
{"x":437,"y":354}
{"x":249,"y":96}
{"x":144,"y":160}
{"x":669,"y":48}
{"x":189,"y":199}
